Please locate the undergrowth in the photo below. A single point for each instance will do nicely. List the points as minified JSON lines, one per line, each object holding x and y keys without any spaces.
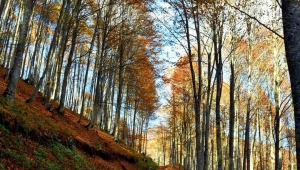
{"x":29,"y":141}
{"x":41,"y":148}
{"x":20,"y":153}
{"x":144,"y":162}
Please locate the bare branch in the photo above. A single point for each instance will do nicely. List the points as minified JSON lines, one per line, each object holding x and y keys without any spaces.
{"x":278,"y":3}
{"x":268,"y":28}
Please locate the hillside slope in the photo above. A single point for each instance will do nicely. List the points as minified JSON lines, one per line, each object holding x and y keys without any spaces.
{"x":31,"y":137}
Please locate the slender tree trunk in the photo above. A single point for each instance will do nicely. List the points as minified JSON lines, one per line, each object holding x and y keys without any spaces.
{"x":119,"y":97}
{"x":246,"y":162}
{"x":108,"y":95}
{"x":2,"y":4}
{"x":232,"y":112}
{"x":70,"y":58}
{"x":218,"y":60}
{"x":25,"y":58}
{"x":136,"y":103}
{"x":15,"y":71}
{"x":101,"y":47}
{"x":3,"y":17}
{"x":12,"y":50}
{"x":259,"y":119}
{"x":51,"y":49}
{"x":87,"y":72}
{"x":37,"y":46}
{"x":207,"y":112}
{"x":201,"y":155}
{"x":97,"y":103}
{"x":106,"y":104}
{"x":276,"y":87}
{"x":195,"y":91}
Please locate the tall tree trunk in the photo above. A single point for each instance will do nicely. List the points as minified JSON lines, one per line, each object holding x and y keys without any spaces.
{"x":70,"y":58}
{"x":291,"y":22}
{"x":136,"y":103}
{"x":207,"y":111}
{"x":101,"y":46}
{"x":218,"y":59}
{"x":15,"y":71}
{"x":106,"y":109}
{"x":87,"y":72}
{"x":16,"y":34}
{"x":3,"y":18}
{"x":51,"y":49}
{"x":238,"y":153}
{"x":246,"y":162}
{"x":197,"y":21}
{"x":2,"y":4}
{"x":195,"y":90}
{"x":97,"y":103}
{"x":119,"y":96}
{"x":276,"y":88}
{"x":31,"y":75}
{"x":232,"y":113}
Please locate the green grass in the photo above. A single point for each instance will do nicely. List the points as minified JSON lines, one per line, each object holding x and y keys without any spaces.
{"x":53,"y":157}
{"x":2,"y":166}
{"x":24,"y":117}
{"x":29,"y":141}
{"x":145,"y":163}
{"x":25,"y":153}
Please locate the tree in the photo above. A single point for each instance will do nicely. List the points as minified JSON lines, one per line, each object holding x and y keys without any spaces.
{"x":75,"y":16}
{"x":49,"y":55}
{"x":15,"y":71}
{"x":291,"y":22}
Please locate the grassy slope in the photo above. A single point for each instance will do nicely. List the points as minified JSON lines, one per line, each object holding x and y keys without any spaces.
{"x":31,"y":137}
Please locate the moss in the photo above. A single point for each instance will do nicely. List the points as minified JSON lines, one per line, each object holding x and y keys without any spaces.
{"x":2,"y":166}
{"x":69,"y":157}
{"x":46,"y":150}
{"x":56,"y":156}
{"x":144,"y":162}
{"x":40,"y":152}
{"x":3,"y":130}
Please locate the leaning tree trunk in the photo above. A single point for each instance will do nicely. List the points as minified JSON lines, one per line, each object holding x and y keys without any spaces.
{"x":87,"y":72}
{"x":70,"y":59}
{"x":15,"y":71}
{"x":2,"y":4}
{"x":51,"y":49}
{"x":291,"y":22}
{"x":119,"y":96}
{"x":97,"y":103}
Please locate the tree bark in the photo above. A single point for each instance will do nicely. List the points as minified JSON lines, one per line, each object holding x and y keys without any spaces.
{"x":291,"y":22}
{"x":232,"y":113}
{"x":2,"y":4}
{"x":51,"y":49}
{"x":119,"y":96}
{"x":195,"y":90}
{"x":87,"y":72}
{"x":217,"y":40}
{"x":15,"y":71}
{"x":276,"y":88}
{"x":70,"y":58}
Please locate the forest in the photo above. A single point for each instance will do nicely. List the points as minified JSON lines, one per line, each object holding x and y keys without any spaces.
{"x":194,"y":84}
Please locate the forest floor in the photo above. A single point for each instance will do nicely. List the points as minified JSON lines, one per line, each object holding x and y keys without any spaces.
{"x":31,"y":137}
{"x":170,"y":167}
